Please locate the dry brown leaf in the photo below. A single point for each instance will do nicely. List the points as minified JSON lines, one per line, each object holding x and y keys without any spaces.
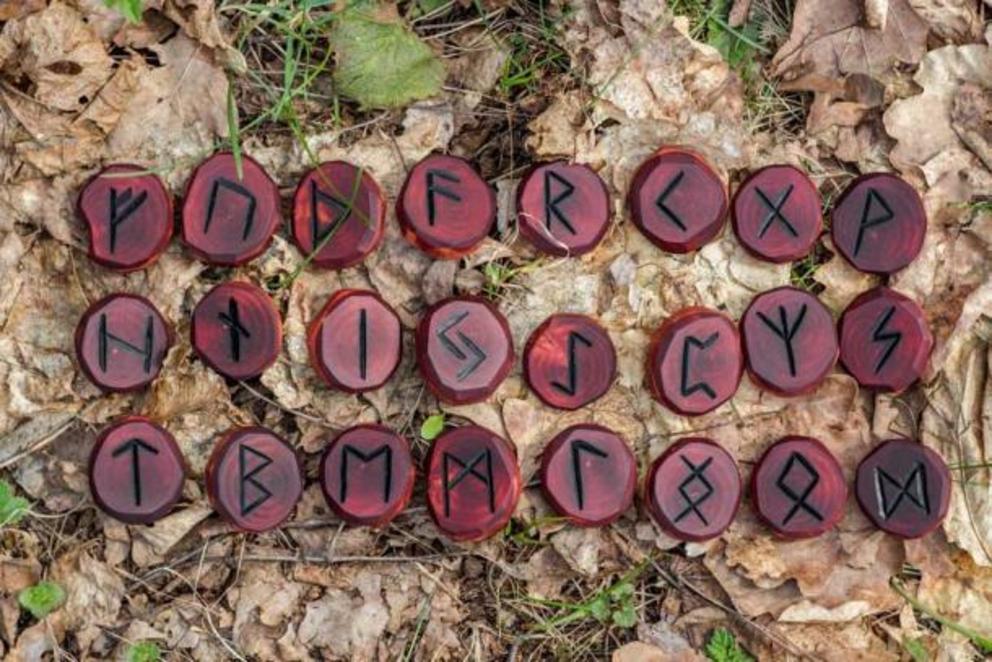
{"x":958,"y":21}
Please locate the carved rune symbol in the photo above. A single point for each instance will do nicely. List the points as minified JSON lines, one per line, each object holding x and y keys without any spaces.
{"x":869,"y":221}
{"x":478,"y":356}
{"x":775,"y":211}
{"x":688,"y":389}
{"x":787,"y":332}
{"x":551,"y":202}
{"x":913,"y":488}
{"x":105,"y":337}
{"x":135,"y":447}
{"x":697,"y":473}
{"x":122,"y":207}
{"x":573,"y":363}
{"x":248,"y":476}
{"x":580,"y":446}
{"x":881,"y":335}
{"x":235,"y":328}
{"x":660,"y":202}
{"x":363,"y":343}
{"x":799,"y":497}
{"x":469,"y":469}
{"x":383,"y":450}
{"x":433,"y":187}
{"x":234,"y":187}
{"x":340,"y":213}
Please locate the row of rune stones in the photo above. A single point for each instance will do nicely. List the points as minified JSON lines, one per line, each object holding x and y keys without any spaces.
{"x":231,"y":210}
{"x":588,"y":475}
{"x":786,"y":339}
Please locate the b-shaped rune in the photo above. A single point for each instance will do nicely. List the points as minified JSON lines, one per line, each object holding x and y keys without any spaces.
{"x":588,"y":475}
{"x":473,"y":483}
{"x":878,"y":223}
{"x":136,"y":471}
{"x":367,"y":475}
{"x":569,"y":361}
{"x":693,"y":490}
{"x":229,"y":216}
{"x":798,"y":488}
{"x":777,"y":213}
{"x":254,"y":479}
{"x":339,"y":215}
{"x":236,"y":330}
{"x":445,"y":207}
{"x":904,"y":488}
{"x":464,"y":349}
{"x":563,"y":208}
{"x":121,"y":341}
{"x":885,"y":341}
{"x":789,"y":340}
{"x":128,"y":214}
{"x":677,"y":200}
{"x":694,"y":363}
{"x":355,"y":342}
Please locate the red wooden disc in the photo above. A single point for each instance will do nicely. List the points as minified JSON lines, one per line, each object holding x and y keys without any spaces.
{"x":789,"y":340}
{"x":136,"y":471}
{"x":445,"y":207}
{"x":121,"y":341}
{"x":588,"y":475}
{"x":339,"y":213}
{"x":254,"y":479}
{"x":236,"y":330}
{"x":904,"y":488}
{"x":798,"y":488}
{"x":473,"y":483}
{"x":464,"y":349}
{"x":229,"y":220}
{"x":777,"y":213}
{"x":884,"y":340}
{"x":563,"y":208}
{"x":695,"y":363}
{"x":878,"y":223}
{"x":677,"y":200}
{"x":355,"y":341}
{"x":128,"y":214}
{"x":569,"y":361}
{"x":693,"y":490}
{"x":367,"y":475}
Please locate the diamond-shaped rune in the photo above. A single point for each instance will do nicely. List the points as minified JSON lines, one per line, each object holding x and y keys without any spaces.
{"x":798,"y":463}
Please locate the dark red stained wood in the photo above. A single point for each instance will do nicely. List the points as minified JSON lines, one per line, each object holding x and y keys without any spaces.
{"x":693,"y":490}
{"x":332,"y":198}
{"x":878,"y":223}
{"x":229,"y":220}
{"x":777,"y":213}
{"x":128,"y":214}
{"x":569,"y":361}
{"x":121,"y":341}
{"x":254,"y":479}
{"x":563,"y":208}
{"x":464,"y":349}
{"x":904,"y":488}
{"x":799,"y":352}
{"x":677,"y":200}
{"x":695,"y":363}
{"x":473,"y":483}
{"x":445,"y":207}
{"x":885,"y":341}
{"x":236,"y":330}
{"x":136,"y":471}
{"x":355,"y":341}
{"x":588,"y":475}
{"x":798,"y":488}
{"x":367,"y":475}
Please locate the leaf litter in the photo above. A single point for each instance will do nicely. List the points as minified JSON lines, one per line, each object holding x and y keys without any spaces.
{"x":82,"y":87}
